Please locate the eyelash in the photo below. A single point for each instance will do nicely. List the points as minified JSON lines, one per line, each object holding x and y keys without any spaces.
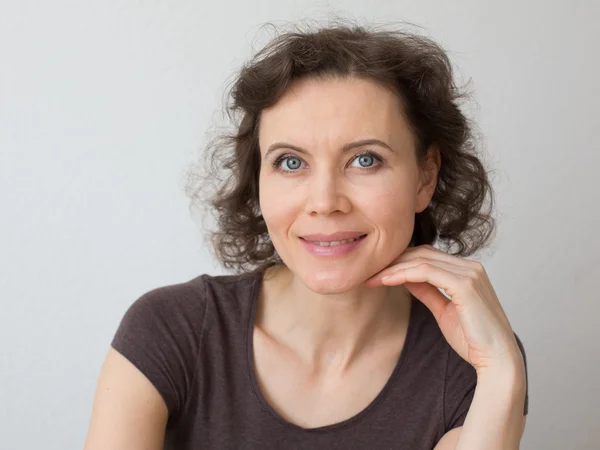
{"x":276,"y":164}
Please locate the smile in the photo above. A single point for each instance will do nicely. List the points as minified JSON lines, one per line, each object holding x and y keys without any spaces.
{"x":332,"y":248}
{"x":336,"y":243}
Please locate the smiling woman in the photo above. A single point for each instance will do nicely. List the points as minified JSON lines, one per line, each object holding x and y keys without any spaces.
{"x":349,"y":144}
{"x":349,"y":158}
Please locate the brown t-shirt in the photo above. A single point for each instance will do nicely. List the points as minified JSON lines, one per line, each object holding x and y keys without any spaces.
{"x":193,"y":341}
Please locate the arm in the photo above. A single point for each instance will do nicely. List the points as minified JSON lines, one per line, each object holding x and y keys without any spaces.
{"x":128,"y":412}
{"x":450,"y":439}
{"x":495,"y":420}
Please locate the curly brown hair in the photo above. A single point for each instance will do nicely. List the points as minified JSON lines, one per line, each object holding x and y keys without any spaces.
{"x":415,"y":67}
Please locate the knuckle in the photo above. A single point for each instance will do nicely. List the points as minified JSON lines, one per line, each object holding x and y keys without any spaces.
{"x":477,"y":266}
{"x":473,"y":275}
{"x":469,"y":281}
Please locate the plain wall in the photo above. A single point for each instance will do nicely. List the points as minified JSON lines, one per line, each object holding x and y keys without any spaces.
{"x":104,"y":104}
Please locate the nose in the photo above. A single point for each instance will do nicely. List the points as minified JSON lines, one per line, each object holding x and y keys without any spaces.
{"x":326,"y":195}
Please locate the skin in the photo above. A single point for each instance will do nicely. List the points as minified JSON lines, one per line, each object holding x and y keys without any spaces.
{"x":316,"y":314}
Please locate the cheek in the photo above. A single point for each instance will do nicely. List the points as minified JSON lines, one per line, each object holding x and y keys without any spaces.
{"x":390,"y":200}
{"x":278,"y":206}
{"x":390,"y":208}
{"x":392,"y":215}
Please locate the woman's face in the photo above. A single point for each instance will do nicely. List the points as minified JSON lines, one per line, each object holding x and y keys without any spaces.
{"x":317,"y":178}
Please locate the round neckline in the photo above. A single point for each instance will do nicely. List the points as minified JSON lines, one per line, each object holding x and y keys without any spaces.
{"x":254,"y":295}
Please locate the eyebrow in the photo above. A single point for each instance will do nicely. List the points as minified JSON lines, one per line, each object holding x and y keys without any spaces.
{"x":345,"y":148}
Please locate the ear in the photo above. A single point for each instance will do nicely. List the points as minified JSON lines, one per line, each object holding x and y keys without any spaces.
{"x":429,"y":171}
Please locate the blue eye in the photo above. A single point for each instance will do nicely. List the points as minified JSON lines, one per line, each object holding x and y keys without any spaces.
{"x":292,"y":163}
{"x":287,"y":163}
{"x":365,"y":160}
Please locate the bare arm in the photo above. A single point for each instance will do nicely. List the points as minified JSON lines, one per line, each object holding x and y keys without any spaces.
{"x":450,"y":439}
{"x":495,"y":419}
{"x":128,"y":412}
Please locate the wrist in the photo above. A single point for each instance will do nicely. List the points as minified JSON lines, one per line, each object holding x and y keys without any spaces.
{"x":510,"y":369}
{"x":508,"y":380}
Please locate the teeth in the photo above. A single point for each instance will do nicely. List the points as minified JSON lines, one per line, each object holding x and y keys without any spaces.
{"x":334,"y":243}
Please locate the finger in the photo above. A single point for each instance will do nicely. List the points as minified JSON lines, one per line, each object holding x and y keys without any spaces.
{"x":430,"y":296}
{"x":375,"y":280}
{"x":427,"y":251}
{"x":450,"y":282}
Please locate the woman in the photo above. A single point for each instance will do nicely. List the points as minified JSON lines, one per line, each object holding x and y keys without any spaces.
{"x":351,"y":158}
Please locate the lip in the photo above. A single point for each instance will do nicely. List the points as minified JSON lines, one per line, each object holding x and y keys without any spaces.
{"x":339,"y":236}
{"x":329,"y":251}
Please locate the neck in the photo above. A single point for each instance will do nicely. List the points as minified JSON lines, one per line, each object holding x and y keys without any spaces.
{"x":329,"y":330}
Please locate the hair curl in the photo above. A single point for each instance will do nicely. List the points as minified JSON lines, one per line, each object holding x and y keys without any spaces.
{"x":415,"y":67}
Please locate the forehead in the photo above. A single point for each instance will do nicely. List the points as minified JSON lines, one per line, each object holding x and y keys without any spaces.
{"x":315,"y":112}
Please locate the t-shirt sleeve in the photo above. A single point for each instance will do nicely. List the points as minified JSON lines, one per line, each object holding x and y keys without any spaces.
{"x":461,"y":381}
{"x":160,"y":334}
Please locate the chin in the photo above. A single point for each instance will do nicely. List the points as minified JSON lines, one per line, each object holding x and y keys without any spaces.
{"x":330,"y":282}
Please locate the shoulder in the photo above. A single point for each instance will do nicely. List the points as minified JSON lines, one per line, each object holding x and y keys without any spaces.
{"x":230,"y":297}
{"x":185,"y":304}
{"x":226,"y":287}
{"x":161,"y":333}
{"x":175,"y":314}
{"x":168,"y":306}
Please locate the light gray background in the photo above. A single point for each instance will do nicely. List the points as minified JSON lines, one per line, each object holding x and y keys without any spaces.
{"x":104,"y":104}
